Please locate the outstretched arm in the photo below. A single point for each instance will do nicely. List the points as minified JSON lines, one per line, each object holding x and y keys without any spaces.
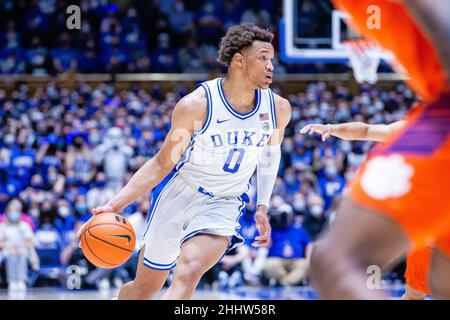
{"x":187,"y":116}
{"x":354,"y":130}
{"x":267,"y":171}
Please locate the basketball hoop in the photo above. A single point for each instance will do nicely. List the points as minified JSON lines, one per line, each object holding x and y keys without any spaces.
{"x":364,"y":59}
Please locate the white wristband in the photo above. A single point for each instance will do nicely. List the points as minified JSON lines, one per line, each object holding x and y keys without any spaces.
{"x":267,"y":171}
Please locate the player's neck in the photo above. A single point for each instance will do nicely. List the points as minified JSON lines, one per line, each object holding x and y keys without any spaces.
{"x":239,"y":93}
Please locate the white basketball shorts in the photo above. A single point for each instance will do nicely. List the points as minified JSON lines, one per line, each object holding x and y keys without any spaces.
{"x":178,"y":212}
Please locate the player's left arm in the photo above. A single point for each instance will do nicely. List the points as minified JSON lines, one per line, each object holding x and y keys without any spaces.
{"x":267,"y":171}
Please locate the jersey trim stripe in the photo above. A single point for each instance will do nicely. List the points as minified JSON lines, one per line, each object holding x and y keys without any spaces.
{"x":209,"y":108}
{"x":157,"y":195}
{"x":272,"y":109}
{"x":237,"y":238}
{"x":230,"y":108}
{"x":192,"y":234}
{"x":158,"y":266}
{"x":186,"y":156}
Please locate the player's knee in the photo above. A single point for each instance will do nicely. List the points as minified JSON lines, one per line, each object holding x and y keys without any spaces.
{"x":326,"y":264}
{"x":189,"y":272}
{"x":321,"y":256}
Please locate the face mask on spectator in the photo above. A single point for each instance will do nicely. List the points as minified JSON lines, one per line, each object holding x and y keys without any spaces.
{"x":9,"y":139}
{"x":37,"y":185}
{"x":81,"y":207}
{"x":295,"y":115}
{"x":63,"y":212}
{"x":52,"y":177}
{"x":94,"y":139}
{"x":72,"y":181}
{"x":299,"y":205}
{"x":101,"y":183}
{"x":316,"y":210}
{"x":331,"y":172}
{"x":14,"y":216}
{"x":34,"y":213}
{"x":290,"y":179}
{"x":179,"y":7}
{"x":346,"y":147}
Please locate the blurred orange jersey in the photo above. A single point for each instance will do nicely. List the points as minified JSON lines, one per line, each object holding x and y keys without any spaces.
{"x":418,"y":268}
{"x":400,"y":34}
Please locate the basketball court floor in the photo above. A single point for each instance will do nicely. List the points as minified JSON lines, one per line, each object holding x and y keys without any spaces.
{"x":241,"y":293}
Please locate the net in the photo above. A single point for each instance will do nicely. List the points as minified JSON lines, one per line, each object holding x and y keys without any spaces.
{"x":364,"y":59}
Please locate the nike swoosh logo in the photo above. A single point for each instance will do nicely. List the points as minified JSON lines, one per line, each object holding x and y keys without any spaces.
{"x":220,"y":121}
{"x":122,"y":236}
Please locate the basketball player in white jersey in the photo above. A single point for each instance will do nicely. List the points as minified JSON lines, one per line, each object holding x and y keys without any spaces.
{"x":221,"y":132}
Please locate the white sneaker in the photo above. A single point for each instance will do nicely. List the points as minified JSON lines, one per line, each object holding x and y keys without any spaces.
{"x":13,"y":286}
{"x":118,"y":283}
{"x":21,"y":286}
{"x":104,"y":284}
{"x":223,"y":279}
{"x":235,"y":279}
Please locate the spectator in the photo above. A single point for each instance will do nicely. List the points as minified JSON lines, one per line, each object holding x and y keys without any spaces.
{"x":209,"y":26}
{"x":256,"y":15}
{"x":89,"y":60}
{"x":331,"y":183}
{"x":229,"y":12}
{"x":34,"y":193}
{"x":38,"y":60}
{"x":80,"y":160}
{"x":22,"y":160}
{"x":180,"y":19}
{"x":115,"y":57}
{"x":16,"y":242}
{"x":65,"y":57}
{"x":35,"y":19}
{"x":47,"y":235}
{"x":291,"y":184}
{"x":165,"y":57}
{"x":253,"y":262}
{"x":82,"y":212}
{"x":315,"y":217}
{"x":230,"y":274}
{"x":114,"y":155}
{"x":65,"y":220}
{"x":100,"y":194}
{"x":11,"y":63}
{"x":288,"y":260}
{"x":191,"y":58}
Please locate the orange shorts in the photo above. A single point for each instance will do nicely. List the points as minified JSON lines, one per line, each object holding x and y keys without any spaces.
{"x":408,"y":177}
{"x":418,"y":268}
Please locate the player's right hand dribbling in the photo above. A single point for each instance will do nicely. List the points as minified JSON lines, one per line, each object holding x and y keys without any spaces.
{"x":103,"y":209}
{"x":96,"y":211}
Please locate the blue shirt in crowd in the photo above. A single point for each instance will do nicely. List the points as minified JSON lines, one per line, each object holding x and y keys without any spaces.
{"x":289,"y":243}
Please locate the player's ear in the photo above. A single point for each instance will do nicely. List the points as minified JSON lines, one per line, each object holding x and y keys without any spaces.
{"x":238,"y":59}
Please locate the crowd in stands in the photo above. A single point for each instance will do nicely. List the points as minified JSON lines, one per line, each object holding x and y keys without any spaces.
{"x":158,"y":36}
{"x":63,"y":152}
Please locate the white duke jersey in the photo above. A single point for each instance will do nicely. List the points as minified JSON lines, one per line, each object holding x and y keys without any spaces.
{"x":222,"y":156}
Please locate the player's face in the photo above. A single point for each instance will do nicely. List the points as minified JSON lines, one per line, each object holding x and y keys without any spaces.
{"x":258,"y":64}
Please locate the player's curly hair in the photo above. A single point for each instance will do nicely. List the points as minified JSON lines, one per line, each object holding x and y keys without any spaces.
{"x":240,"y":37}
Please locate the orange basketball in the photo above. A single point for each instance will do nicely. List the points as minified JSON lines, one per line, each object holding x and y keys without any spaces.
{"x":108,"y":240}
